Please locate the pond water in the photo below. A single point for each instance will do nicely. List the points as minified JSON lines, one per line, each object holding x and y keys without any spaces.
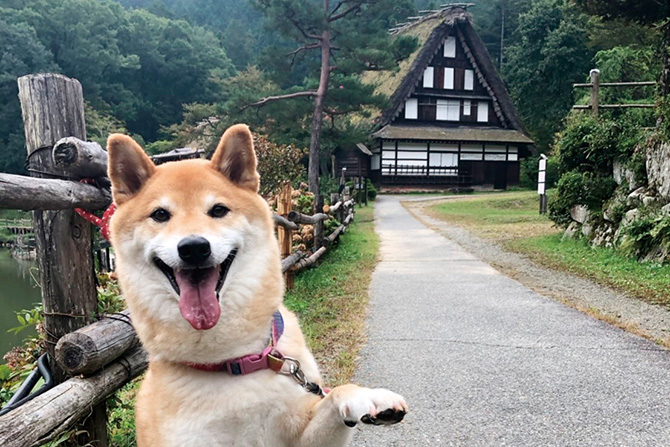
{"x":18,"y":290}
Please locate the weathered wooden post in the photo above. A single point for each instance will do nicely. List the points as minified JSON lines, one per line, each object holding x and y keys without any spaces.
{"x":285,"y":235}
{"x":53,"y":107}
{"x":365,"y":191}
{"x":318,"y":226}
{"x":595,"y":91}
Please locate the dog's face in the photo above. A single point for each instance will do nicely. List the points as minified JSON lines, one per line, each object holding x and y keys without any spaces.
{"x":194,"y":241}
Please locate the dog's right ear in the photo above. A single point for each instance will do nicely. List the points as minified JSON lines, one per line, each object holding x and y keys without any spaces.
{"x":129,"y":167}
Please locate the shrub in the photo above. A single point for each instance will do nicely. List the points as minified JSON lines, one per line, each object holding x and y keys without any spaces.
{"x":529,"y":169}
{"x":372,"y":191}
{"x":277,"y":164}
{"x":590,"y":144}
{"x":644,"y":234}
{"x":576,"y":188}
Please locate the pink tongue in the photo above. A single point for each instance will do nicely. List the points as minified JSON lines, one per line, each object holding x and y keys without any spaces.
{"x":198,"y":303}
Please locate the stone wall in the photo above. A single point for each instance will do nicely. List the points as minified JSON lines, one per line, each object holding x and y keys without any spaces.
{"x":634,"y":199}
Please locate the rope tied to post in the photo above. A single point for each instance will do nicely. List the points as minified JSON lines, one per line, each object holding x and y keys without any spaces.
{"x":100,"y":222}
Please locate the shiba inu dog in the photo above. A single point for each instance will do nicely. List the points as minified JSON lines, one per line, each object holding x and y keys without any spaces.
{"x":199,"y":266}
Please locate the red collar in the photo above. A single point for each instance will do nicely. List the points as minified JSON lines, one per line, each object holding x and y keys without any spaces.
{"x":270,"y":358}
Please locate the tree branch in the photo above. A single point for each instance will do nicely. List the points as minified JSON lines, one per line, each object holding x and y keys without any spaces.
{"x":303,"y":48}
{"x":264,"y":101}
{"x":302,"y":31}
{"x":335,"y":17}
{"x":295,"y":53}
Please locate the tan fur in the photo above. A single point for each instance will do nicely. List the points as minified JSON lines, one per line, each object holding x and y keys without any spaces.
{"x":181,"y":406}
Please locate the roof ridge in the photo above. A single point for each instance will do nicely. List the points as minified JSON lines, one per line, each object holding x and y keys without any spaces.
{"x":429,"y":14}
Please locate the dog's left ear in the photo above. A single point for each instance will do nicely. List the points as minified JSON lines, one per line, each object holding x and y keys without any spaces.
{"x":235,"y":157}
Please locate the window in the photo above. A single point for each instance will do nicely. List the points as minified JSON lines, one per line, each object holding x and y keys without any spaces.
{"x":513,"y":153}
{"x":412,"y":159}
{"x":467,"y":107}
{"x":450,"y":47}
{"x":494,"y":152}
{"x":472,"y":152}
{"x":448,"y":110}
{"x":449,"y":78}
{"x":469,"y":81}
{"x":483,"y":112}
{"x":428,"y":77}
{"x":442,"y":164}
{"x":411,"y":109}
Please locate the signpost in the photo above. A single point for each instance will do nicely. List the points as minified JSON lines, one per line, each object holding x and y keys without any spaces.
{"x":541,"y":180}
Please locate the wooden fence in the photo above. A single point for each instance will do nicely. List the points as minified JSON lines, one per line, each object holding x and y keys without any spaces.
{"x":91,"y":359}
{"x":594,"y":87}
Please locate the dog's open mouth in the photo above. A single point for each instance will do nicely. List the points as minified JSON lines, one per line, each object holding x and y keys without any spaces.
{"x":198,"y":290}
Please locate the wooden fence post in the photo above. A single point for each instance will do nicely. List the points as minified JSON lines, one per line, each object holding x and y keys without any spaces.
{"x":285,"y":235}
{"x":595,"y":91}
{"x":318,"y":227}
{"x":53,"y":107}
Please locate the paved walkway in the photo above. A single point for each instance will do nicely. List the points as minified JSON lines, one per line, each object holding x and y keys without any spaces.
{"x":484,"y":361}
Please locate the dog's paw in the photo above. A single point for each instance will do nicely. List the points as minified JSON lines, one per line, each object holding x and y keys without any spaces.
{"x":373,"y":406}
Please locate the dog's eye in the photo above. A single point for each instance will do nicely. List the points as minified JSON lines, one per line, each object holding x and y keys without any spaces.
{"x":218,"y":210}
{"x":160,"y":215}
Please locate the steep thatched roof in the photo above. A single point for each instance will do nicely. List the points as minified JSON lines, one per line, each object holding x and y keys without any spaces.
{"x":431,"y":31}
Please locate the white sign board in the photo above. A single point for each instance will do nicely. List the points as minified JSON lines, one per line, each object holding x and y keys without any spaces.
{"x":541,"y":175}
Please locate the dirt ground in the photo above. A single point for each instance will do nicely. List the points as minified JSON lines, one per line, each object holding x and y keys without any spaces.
{"x":647,"y":320}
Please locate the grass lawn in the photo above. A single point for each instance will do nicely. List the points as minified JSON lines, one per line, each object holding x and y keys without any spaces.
{"x":498,"y":216}
{"x":512,"y":220}
{"x":331,"y":299}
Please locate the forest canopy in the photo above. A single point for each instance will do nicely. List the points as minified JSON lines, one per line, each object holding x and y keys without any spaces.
{"x":141,"y":61}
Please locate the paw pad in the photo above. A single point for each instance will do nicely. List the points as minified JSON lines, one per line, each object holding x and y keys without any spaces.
{"x":386,"y":417}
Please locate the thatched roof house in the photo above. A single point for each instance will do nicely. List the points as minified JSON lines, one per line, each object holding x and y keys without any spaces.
{"x":451,"y":120}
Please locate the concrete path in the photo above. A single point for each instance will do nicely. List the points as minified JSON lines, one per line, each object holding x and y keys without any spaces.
{"x":484,"y":361}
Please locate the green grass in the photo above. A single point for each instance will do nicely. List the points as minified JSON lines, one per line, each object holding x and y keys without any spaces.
{"x":498,"y":216}
{"x":331,"y":299}
{"x":512,"y":219}
{"x":647,"y":281}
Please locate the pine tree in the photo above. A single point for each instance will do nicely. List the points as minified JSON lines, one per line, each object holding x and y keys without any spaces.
{"x":349,"y":36}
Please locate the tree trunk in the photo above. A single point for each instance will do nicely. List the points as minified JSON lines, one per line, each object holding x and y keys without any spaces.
{"x":317,"y":121}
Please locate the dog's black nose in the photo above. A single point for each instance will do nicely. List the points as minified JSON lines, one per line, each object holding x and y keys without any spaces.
{"x":194,"y":249}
